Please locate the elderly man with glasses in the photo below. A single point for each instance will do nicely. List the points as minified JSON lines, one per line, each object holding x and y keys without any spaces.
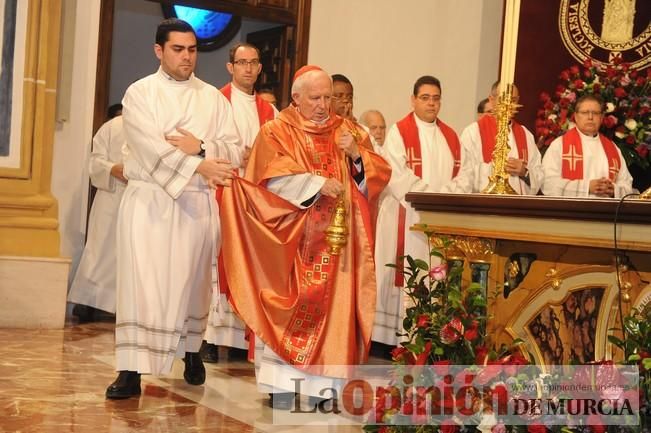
{"x":583,"y":162}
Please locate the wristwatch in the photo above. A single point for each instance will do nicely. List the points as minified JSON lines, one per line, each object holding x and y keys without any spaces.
{"x":202,"y":152}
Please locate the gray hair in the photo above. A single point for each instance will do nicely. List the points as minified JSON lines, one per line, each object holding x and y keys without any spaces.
{"x":363,"y":119}
{"x":299,"y":83}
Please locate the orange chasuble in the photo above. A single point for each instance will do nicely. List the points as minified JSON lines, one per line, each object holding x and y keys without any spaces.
{"x":310,"y":307}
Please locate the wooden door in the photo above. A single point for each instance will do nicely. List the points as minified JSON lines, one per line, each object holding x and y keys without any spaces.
{"x":277,"y":60}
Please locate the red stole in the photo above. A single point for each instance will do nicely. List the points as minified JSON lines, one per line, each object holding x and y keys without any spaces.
{"x":488,"y":132}
{"x":409,"y":133}
{"x":265,"y":110}
{"x":572,"y":164}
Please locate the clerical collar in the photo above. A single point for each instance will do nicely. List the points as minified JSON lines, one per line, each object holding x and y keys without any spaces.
{"x":589,"y":137}
{"x":241,"y":92}
{"x":421,"y":122}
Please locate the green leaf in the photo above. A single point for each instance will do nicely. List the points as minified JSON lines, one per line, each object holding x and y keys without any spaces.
{"x":422,"y":264}
{"x":646,"y":363}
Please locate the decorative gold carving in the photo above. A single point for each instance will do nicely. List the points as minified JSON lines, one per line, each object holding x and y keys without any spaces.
{"x":646,"y":195}
{"x":513,"y":268}
{"x":618,"y":20}
{"x":475,"y":250}
{"x":498,"y":182}
{"x":554,"y":282}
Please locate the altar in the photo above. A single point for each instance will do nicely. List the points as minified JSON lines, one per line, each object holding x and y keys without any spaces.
{"x":548,"y":266}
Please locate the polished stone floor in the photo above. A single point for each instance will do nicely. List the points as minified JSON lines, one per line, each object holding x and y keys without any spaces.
{"x":53,"y":381}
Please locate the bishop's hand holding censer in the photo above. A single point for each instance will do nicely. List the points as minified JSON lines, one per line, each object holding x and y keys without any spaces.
{"x":337,"y":231}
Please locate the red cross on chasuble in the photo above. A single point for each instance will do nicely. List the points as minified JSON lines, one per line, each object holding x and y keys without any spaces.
{"x":572,"y":163}
{"x":409,"y":133}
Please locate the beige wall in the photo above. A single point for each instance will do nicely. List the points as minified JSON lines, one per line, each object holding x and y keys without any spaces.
{"x":72,"y":138}
{"x":383,"y":46}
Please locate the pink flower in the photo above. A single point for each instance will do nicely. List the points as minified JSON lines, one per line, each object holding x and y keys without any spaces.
{"x":610,"y":121}
{"x":574,"y":69}
{"x":438,"y":273}
{"x":579,"y":84}
{"x":451,"y":332}
{"x":565,"y":75}
{"x":499,"y":428}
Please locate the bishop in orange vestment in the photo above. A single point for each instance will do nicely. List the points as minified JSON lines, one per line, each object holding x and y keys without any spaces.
{"x":314,"y":310}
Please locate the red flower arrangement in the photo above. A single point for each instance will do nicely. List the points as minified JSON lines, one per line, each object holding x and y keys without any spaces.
{"x":445,"y":342}
{"x":627,"y":113}
{"x":444,"y":327}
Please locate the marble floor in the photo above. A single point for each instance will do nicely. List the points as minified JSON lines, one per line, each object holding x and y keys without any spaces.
{"x":53,"y":381}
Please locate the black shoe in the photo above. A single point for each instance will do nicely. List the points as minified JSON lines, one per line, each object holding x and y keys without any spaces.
{"x":126,"y":385}
{"x":84,"y":313}
{"x":235,"y":354}
{"x":195,"y":372}
{"x":281,"y":400}
{"x":209,"y":352}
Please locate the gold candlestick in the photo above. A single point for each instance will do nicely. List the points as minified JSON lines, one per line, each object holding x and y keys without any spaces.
{"x":498,"y":182}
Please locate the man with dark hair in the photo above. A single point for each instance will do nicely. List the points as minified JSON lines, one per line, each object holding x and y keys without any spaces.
{"x":93,"y":287}
{"x":268,"y":95}
{"x":342,"y":96}
{"x":168,"y":228}
{"x":114,"y":110}
{"x":583,"y":162}
{"x":425,"y":154}
{"x":250,"y":112}
{"x":484,"y":107}
{"x":523,"y":165}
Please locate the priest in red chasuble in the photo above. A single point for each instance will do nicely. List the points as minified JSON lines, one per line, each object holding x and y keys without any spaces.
{"x":583,"y":162}
{"x":309,"y":307}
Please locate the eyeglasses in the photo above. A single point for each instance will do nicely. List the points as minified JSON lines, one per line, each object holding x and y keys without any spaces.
{"x":244,"y":62}
{"x":589,"y":113}
{"x":427,"y":98}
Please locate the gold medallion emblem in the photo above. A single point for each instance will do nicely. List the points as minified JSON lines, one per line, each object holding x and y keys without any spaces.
{"x":617,"y":39}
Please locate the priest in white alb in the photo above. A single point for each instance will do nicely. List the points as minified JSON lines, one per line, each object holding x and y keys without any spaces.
{"x":425,"y":154}
{"x":94,"y":284}
{"x":168,"y":228}
{"x":250,"y":112}
{"x":583,"y":162}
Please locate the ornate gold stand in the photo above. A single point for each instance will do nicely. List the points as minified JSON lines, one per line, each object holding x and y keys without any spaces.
{"x":646,"y":195}
{"x":498,"y":182}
